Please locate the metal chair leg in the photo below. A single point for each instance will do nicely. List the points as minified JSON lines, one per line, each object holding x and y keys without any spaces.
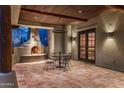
{"x":44,"y":66}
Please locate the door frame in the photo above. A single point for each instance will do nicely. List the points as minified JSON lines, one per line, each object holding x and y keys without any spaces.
{"x":86,"y":32}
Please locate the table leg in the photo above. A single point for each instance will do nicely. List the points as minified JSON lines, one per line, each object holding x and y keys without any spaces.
{"x":59,"y":63}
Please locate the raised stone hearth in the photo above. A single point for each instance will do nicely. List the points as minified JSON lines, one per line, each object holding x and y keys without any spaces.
{"x":33,"y":57}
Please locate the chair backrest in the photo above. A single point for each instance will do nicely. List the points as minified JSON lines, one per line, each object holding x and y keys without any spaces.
{"x":52,"y":56}
{"x":67,"y":58}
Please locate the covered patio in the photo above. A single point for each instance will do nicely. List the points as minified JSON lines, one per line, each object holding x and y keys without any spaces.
{"x":62,"y":46}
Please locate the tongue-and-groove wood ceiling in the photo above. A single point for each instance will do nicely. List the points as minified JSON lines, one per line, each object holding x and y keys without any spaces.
{"x":59,"y":14}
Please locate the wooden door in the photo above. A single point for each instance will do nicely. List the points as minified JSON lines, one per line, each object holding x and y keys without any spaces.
{"x":86,"y":49}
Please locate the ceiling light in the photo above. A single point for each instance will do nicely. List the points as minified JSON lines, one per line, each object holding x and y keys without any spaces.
{"x":79,"y":11}
{"x":36,"y":17}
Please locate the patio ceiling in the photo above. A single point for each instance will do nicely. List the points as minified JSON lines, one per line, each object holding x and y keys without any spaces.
{"x":62,"y":14}
{"x":59,"y":14}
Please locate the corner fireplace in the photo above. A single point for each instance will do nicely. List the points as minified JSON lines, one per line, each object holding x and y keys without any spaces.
{"x":37,"y":54}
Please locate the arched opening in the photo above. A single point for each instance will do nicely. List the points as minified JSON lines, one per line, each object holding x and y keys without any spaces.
{"x":35,"y":50}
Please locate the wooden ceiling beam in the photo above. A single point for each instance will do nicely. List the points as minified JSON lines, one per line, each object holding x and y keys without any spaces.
{"x":53,"y":14}
{"x":39,"y":23}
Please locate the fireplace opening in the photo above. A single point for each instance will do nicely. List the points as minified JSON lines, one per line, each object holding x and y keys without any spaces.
{"x":35,"y":50}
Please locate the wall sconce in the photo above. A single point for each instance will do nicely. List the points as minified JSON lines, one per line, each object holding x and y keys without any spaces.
{"x":110,"y":34}
{"x":74,"y":38}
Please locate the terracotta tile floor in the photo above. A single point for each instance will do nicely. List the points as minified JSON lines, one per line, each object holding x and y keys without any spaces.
{"x":31,"y":75}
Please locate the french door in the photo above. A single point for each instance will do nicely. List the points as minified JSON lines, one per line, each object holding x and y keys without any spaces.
{"x":86,"y":47}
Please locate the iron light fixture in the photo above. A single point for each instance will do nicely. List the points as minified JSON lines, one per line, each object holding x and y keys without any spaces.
{"x":110,"y":34}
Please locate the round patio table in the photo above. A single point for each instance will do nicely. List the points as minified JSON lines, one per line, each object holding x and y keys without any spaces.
{"x":60,"y":57}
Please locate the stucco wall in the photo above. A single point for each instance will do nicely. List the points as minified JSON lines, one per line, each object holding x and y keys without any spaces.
{"x":59,"y":38}
{"x":59,"y":42}
{"x":110,"y":50}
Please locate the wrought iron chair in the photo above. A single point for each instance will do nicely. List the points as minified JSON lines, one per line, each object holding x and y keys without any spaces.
{"x":66,"y":62}
{"x":49,"y":64}
{"x":54,"y":58}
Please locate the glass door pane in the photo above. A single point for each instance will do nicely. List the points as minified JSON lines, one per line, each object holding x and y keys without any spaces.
{"x":82,"y":46}
{"x":91,"y":46}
